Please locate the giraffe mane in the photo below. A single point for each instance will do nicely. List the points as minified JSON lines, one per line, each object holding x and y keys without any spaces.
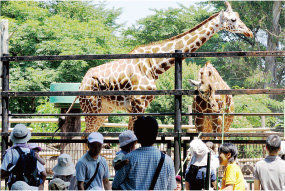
{"x":182,"y":34}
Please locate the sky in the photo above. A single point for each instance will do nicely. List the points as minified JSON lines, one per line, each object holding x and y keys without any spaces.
{"x":134,"y":10}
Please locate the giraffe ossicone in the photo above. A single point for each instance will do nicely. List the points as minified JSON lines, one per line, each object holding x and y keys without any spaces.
{"x":209,"y":80}
{"x":141,"y":74}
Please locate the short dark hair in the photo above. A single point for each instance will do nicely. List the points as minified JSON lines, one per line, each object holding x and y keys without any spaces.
{"x":146,"y":129}
{"x":229,"y":148}
{"x":273,"y":143}
{"x":128,"y":147}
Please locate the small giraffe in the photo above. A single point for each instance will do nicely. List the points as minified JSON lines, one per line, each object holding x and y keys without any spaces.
{"x":141,"y":73}
{"x":209,"y":80}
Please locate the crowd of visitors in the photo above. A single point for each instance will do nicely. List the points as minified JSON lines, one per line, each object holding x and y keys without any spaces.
{"x":144,"y":168}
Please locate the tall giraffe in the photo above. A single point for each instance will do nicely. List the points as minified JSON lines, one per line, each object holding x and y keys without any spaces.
{"x":209,"y":80}
{"x":141,"y":73}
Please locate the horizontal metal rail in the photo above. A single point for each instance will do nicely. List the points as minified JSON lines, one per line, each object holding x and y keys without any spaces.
{"x":139,"y":92}
{"x":167,"y":134}
{"x":141,"y":114}
{"x":155,"y":55}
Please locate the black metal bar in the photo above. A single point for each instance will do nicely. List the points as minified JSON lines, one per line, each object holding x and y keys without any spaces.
{"x":145,"y":92}
{"x":156,"y":55}
{"x":169,"y":134}
{"x":140,"y":114}
{"x":208,"y":171}
{"x":5,"y":104}
{"x":177,"y":110}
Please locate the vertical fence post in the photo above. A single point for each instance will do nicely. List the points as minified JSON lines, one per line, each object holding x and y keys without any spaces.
{"x":177,"y":105}
{"x":4,"y":68}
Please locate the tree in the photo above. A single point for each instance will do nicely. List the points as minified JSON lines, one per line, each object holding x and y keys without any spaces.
{"x":56,"y":28}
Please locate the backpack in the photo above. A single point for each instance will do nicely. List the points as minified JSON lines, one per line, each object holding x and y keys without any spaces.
{"x":25,"y":168}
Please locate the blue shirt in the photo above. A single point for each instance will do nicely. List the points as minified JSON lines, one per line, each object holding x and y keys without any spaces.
{"x":138,"y":174}
{"x":86,"y":167}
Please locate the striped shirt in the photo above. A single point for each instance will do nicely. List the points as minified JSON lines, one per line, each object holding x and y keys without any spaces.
{"x":138,"y":174}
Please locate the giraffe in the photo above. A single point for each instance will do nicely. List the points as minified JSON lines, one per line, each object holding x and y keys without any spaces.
{"x":141,"y":73}
{"x":209,"y":80}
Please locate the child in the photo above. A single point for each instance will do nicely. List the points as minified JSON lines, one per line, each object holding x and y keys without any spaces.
{"x":127,"y":140}
{"x":65,"y":170}
{"x":233,"y":178}
{"x":40,"y":164}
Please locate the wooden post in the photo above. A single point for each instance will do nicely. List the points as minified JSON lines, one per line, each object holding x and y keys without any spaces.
{"x":190,"y":118}
{"x":4,"y":81}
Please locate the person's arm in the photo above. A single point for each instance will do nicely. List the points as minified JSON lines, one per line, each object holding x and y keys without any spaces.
{"x":80,"y":185}
{"x":120,"y":176}
{"x":256,"y":184}
{"x":41,"y":160}
{"x":187,"y":185}
{"x":4,"y":174}
{"x":118,"y":165}
{"x":107,"y":184}
{"x":44,"y":175}
{"x":229,"y":187}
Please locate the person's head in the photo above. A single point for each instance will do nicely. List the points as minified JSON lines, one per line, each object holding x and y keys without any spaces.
{"x":58,"y":184}
{"x":199,"y":150}
{"x":273,"y":143}
{"x":35,"y":147}
{"x":210,"y":145}
{"x":21,"y":185}
{"x":20,"y":134}
{"x":64,"y":166}
{"x":95,"y":143}
{"x":146,"y":129}
{"x":178,"y":182}
{"x":227,"y":153}
{"x":127,"y":141}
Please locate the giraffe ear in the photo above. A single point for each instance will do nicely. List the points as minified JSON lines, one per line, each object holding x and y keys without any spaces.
{"x":194,"y":83}
{"x":229,"y":7}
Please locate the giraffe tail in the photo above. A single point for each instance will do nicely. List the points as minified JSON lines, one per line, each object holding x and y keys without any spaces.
{"x":72,"y":104}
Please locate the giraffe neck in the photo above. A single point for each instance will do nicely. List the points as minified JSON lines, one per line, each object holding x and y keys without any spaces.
{"x":189,"y":41}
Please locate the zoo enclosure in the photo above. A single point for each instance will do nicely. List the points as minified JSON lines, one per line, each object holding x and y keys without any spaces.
{"x":178,"y":92}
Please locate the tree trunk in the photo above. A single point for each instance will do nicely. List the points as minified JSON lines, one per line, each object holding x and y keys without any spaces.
{"x":272,"y":45}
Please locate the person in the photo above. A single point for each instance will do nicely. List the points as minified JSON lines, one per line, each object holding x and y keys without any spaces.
{"x":21,"y":185}
{"x":127,"y":140}
{"x":138,"y":174}
{"x":65,"y":170}
{"x":90,"y":162}
{"x":19,"y":136}
{"x":233,"y":177}
{"x":178,"y":183}
{"x":40,"y":164}
{"x":58,"y":184}
{"x":195,"y":176}
{"x":269,"y":174}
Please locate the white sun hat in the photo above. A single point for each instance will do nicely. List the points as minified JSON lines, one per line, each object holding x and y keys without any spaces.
{"x":21,"y":185}
{"x":64,"y":166}
{"x":127,"y":137}
{"x":58,"y":184}
{"x":96,"y":137}
{"x":20,"y":134}
{"x":199,"y":150}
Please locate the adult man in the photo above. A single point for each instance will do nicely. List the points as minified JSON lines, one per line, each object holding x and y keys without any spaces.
{"x":139,"y":173}
{"x":269,"y":174}
{"x":19,"y":136}
{"x":91,"y":162}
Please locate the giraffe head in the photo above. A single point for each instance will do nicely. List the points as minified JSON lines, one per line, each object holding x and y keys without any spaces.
{"x":206,"y":85}
{"x":230,"y":21}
